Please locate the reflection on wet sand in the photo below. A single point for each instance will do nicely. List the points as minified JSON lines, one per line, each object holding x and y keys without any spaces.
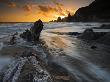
{"x":58,"y":42}
{"x":78,"y":58}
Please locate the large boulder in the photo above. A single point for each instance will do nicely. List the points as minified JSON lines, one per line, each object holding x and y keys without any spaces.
{"x":34,"y":33}
{"x":37,"y":28}
{"x":27,"y":35}
{"x":88,"y":34}
{"x":13,"y":40}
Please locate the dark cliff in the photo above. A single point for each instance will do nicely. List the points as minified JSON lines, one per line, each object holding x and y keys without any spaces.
{"x":99,"y":10}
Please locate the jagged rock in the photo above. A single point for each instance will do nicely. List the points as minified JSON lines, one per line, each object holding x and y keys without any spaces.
{"x":88,"y":34}
{"x":105,"y":39}
{"x":100,"y":37}
{"x":34,"y":33}
{"x":37,"y":28}
{"x":26,"y":69}
{"x":27,"y":35}
{"x":59,"y":19}
{"x":96,"y":11}
{"x":13,"y":40}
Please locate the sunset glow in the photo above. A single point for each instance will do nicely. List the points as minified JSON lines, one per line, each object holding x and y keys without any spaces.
{"x":32,"y":10}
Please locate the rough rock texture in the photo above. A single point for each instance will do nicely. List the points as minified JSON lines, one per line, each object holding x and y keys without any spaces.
{"x":100,"y":37}
{"x":34,"y":33}
{"x":99,"y":10}
{"x":89,"y":35}
{"x":26,"y":69}
{"x":105,"y":39}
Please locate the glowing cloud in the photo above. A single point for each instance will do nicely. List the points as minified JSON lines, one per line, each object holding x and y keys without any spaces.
{"x":31,"y":10}
{"x":47,"y":8}
{"x":12,"y":4}
{"x":27,"y":7}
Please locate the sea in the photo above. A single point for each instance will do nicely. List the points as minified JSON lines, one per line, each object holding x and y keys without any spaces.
{"x":84,"y":64}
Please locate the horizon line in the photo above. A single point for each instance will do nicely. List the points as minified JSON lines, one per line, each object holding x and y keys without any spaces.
{"x":16,"y":22}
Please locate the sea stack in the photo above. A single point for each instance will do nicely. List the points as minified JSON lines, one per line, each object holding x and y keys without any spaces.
{"x":36,"y":29}
{"x":34,"y":33}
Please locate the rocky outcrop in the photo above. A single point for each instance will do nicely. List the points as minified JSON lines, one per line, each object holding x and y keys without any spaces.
{"x":99,"y":37}
{"x":89,"y":35}
{"x":13,"y":39}
{"x":99,"y":11}
{"x":26,"y":69}
{"x":105,"y":39}
{"x":34,"y":33}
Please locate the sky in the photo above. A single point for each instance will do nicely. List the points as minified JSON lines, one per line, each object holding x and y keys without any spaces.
{"x":32,"y":10}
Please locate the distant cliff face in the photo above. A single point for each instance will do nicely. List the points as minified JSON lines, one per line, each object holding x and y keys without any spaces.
{"x":99,"y":10}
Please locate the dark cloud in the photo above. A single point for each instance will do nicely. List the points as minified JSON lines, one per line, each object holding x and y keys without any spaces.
{"x":8,"y":3}
{"x":47,"y":8}
{"x":57,"y":3}
{"x":27,"y":7}
{"x":39,"y":8}
{"x":4,"y":1}
{"x":60,"y":8}
{"x":12,"y":4}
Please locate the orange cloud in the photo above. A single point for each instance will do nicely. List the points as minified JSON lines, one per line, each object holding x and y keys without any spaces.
{"x":57,"y":3}
{"x":12,"y":4}
{"x":47,"y":8}
{"x":62,"y":11}
{"x":27,"y":7}
{"x":33,"y":11}
{"x":52,"y":12}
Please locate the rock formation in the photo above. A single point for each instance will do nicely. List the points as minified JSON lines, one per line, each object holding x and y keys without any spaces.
{"x":13,"y":39}
{"x":89,"y":35}
{"x":105,"y":39}
{"x":26,"y":69}
{"x":99,"y":37}
{"x":97,"y":11}
{"x":34,"y":33}
{"x":59,"y":19}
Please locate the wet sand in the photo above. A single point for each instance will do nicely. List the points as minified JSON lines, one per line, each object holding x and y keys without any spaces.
{"x":77,"y":57}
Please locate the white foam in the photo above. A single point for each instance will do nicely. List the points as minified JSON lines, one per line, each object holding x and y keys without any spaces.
{"x":17,"y":73}
{"x":13,"y":73}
